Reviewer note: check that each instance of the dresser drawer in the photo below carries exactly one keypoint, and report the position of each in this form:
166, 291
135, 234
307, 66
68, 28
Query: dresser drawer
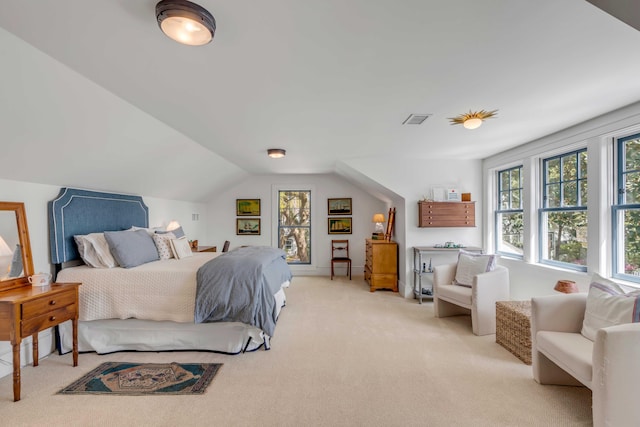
38, 323
48, 303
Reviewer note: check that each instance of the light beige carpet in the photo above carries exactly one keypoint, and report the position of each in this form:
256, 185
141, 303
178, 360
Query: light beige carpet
341, 356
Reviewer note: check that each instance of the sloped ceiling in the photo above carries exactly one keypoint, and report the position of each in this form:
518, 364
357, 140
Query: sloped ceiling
95, 88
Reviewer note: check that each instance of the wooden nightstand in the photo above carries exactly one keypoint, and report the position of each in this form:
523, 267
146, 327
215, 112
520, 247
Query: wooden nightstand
205, 249
27, 310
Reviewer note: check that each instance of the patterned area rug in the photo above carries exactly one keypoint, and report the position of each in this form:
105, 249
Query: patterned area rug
145, 378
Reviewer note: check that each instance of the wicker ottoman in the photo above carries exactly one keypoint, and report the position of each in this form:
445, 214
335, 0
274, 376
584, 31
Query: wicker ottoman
513, 328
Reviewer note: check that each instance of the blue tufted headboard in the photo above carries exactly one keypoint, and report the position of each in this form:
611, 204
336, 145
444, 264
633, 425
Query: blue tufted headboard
77, 211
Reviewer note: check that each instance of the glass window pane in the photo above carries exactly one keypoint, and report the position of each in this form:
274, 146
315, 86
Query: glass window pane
504, 180
583, 164
553, 171
631, 237
583, 193
553, 196
510, 233
295, 241
504, 200
566, 237
569, 167
632, 187
632, 154
570, 193
516, 200
515, 178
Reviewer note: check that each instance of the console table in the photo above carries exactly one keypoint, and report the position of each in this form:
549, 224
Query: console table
423, 267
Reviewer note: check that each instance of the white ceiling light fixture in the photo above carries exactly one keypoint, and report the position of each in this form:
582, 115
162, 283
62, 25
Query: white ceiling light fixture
472, 119
185, 22
276, 153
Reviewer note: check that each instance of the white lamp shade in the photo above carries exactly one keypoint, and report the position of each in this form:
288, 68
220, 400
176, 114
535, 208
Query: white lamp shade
378, 218
173, 225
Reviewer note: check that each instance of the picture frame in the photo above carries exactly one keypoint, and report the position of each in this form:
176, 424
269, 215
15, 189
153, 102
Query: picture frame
453, 195
248, 226
339, 206
247, 207
340, 225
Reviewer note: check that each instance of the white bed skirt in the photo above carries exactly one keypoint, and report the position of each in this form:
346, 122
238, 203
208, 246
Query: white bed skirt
111, 335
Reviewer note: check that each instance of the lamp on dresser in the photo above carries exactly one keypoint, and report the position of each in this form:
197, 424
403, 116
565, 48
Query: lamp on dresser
378, 233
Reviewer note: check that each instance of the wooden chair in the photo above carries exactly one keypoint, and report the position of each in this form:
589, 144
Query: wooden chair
340, 254
225, 247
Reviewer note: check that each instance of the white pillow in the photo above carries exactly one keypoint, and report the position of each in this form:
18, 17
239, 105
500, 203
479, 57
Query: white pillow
94, 250
181, 248
609, 304
163, 244
471, 264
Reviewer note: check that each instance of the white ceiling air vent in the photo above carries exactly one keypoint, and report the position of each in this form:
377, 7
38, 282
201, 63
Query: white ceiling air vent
416, 119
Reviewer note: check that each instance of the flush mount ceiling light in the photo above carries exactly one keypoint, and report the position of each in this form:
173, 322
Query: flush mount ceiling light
276, 153
185, 22
472, 119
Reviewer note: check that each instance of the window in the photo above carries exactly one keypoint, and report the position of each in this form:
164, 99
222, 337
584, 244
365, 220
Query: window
563, 217
509, 221
626, 213
294, 225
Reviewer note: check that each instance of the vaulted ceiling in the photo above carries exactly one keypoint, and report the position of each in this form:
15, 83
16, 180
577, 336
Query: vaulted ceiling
326, 80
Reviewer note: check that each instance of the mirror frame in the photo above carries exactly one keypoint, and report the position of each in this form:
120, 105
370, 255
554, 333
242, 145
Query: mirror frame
25, 245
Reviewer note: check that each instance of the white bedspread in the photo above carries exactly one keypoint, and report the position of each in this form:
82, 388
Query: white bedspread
159, 290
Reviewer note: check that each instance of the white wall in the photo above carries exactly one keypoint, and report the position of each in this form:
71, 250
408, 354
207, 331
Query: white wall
222, 217
35, 198
412, 179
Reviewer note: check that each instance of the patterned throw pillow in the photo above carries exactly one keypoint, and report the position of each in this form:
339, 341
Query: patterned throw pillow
163, 243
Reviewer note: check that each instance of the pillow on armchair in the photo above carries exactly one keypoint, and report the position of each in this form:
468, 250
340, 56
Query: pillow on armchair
471, 264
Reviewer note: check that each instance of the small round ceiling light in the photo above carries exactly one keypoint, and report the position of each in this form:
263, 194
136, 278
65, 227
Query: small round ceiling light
276, 153
185, 22
472, 119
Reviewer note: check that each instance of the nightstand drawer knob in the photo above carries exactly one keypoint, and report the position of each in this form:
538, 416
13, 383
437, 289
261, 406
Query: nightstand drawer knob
52, 318
52, 302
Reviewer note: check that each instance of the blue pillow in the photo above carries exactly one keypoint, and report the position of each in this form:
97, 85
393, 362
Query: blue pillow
131, 248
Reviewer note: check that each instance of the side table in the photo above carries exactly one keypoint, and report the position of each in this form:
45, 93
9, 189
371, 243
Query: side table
513, 328
27, 310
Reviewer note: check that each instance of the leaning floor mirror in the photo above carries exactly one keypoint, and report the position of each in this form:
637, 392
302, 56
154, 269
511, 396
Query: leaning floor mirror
16, 263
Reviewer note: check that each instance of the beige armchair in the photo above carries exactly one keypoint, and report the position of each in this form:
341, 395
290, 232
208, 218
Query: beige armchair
479, 300
609, 366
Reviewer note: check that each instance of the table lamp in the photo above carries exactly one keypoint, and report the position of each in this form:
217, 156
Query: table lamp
566, 287
378, 234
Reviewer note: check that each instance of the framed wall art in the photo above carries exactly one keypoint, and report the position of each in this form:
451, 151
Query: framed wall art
339, 225
248, 226
248, 207
339, 206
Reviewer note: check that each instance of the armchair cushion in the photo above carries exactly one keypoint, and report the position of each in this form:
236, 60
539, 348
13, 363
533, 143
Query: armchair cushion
470, 264
609, 304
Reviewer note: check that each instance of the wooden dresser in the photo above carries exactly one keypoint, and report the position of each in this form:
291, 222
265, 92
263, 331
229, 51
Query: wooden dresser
27, 310
381, 265
446, 214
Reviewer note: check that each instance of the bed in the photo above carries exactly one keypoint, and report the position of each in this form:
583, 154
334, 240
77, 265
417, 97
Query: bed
222, 302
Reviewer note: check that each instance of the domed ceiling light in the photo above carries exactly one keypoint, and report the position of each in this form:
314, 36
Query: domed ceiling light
185, 22
472, 119
276, 153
